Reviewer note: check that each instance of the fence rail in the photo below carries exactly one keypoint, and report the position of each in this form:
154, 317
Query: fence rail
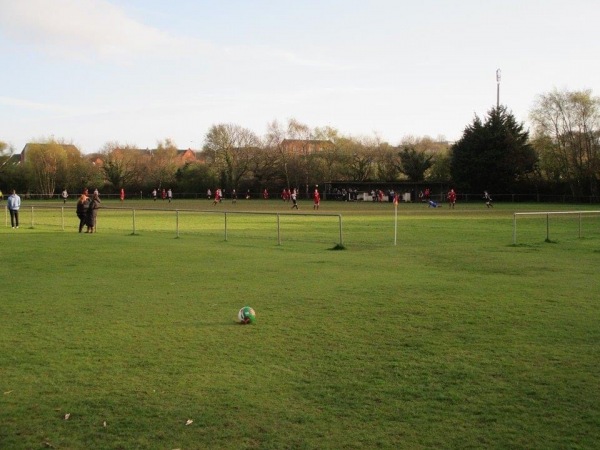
134, 212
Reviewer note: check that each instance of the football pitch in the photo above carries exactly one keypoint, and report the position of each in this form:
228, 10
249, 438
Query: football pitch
429, 329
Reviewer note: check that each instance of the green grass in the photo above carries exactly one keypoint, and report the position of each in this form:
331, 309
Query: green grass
454, 338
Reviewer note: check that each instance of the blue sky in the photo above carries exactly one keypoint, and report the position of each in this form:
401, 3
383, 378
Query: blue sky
139, 71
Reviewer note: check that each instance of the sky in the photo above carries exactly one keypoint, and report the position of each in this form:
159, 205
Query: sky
136, 72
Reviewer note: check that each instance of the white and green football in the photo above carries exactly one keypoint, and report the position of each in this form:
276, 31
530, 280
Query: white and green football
246, 315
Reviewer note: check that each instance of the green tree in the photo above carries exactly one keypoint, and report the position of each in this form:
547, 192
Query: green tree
121, 166
229, 150
46, 163
414, 163
360, 158
387, 163
492, 155
196, 177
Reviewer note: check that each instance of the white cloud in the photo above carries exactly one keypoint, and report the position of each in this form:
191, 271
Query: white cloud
91, 29
84, 29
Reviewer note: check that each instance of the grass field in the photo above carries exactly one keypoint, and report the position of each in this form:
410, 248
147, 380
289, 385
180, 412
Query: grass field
453, 338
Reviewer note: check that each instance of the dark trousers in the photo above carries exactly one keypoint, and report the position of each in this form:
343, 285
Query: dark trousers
82, 220
14, 217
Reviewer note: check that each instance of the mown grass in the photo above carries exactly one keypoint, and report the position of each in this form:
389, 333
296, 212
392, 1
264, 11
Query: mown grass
454, 338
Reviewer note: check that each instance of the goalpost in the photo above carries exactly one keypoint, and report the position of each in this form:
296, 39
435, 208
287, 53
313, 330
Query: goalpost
548, 214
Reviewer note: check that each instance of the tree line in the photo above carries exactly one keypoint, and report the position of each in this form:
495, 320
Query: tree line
495, 153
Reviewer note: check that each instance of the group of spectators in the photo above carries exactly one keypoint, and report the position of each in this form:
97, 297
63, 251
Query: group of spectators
87, 210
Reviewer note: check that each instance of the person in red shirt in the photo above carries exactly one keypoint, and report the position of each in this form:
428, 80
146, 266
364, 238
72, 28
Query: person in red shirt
217, 196
316, 198
122, 196
451, 198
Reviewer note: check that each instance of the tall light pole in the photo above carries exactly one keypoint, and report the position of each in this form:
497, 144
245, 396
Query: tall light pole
498, 88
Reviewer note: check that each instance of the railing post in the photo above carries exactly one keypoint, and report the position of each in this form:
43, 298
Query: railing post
32, 217
515, 229
278, 231
547, 227
133, 219
177, 221
225, 214
341, 238
62, 216
579, 225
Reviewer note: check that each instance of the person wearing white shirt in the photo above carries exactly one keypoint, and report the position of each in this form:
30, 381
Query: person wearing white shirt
14, 204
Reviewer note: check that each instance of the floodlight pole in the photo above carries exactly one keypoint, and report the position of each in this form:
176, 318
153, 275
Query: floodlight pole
498, 76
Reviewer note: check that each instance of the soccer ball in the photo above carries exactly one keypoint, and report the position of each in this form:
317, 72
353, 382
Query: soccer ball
246, 315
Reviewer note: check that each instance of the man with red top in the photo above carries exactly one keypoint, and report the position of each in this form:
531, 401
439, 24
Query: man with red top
451, 198
316, 198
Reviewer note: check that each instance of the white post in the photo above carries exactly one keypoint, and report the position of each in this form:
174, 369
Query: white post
225, 226
177, 221
133, 219
62, 216
395, 223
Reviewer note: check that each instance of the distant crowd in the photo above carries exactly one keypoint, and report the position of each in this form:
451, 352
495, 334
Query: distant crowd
88, 206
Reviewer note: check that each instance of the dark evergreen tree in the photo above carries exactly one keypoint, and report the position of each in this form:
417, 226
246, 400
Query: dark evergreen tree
493, 155
415, 163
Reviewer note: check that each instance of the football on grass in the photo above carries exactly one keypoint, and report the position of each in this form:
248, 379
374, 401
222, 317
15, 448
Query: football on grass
246, 315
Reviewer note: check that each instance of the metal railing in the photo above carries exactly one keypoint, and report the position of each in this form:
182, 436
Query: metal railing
226, 214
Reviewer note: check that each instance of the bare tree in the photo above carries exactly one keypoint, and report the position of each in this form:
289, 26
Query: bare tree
274, 143
121, 165
570, 122
163, 163
5, 153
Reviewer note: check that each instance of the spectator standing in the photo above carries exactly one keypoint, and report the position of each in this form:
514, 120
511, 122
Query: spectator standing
92, 213
154, 194
294, 196
122, 195
13, 203
82, 207
170, 195
64, 196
